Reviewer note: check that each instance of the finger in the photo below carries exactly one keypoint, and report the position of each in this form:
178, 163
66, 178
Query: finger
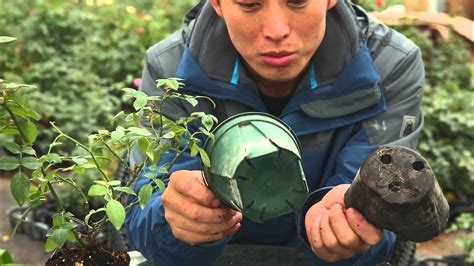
343, 231
196, 238
330, 240
191, 210
335, 195
203, 228
366, 231
313, 233
316, 242
191, 184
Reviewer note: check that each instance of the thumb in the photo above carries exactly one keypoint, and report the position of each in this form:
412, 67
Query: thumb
191, 185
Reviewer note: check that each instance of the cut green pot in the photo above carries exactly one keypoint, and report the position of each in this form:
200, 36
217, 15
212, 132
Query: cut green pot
256, 166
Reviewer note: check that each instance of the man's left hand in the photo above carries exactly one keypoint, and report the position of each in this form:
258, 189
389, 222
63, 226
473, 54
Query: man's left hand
336, 233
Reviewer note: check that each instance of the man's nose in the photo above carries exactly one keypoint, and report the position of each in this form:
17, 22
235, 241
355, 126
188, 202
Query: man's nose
276, 24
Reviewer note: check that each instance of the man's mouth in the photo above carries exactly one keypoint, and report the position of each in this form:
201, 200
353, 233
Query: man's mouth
281, 58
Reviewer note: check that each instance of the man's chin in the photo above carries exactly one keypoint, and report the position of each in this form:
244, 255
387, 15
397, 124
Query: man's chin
280, 78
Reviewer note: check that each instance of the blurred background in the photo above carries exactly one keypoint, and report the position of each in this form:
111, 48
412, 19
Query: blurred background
81, 53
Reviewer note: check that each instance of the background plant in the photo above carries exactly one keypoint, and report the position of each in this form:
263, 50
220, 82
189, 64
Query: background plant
377, 5
79, 54
465, 222
36, 177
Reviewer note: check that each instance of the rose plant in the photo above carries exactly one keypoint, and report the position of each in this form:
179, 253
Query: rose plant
36, 178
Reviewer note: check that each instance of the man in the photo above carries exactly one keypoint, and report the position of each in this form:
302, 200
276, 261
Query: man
343, 82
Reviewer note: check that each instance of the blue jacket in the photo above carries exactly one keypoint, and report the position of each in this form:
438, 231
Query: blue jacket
362, 88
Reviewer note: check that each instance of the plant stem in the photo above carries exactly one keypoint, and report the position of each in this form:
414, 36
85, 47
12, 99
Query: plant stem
54, 141
116, 155
85, 148
61, 208
78, 189
22, 219
161, 115
131, 204
53, 192
15, 121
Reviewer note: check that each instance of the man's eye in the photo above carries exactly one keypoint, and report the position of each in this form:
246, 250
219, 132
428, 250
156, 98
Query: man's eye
248, 6
298, 3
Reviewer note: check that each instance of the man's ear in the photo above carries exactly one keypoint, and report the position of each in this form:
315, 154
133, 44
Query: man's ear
217, 7
331, 3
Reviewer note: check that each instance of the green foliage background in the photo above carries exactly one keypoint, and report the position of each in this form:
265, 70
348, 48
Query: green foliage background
79, 55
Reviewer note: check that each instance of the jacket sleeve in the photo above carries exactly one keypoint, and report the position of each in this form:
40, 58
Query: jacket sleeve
402, 87
148, 230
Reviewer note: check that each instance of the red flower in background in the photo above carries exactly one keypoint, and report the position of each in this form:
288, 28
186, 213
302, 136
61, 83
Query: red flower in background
379, 3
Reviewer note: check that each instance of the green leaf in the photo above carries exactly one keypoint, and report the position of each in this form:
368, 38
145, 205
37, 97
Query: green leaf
169, 135
58, 219
156, 154
114, 183
5, 257
171, 83
133, 93
29, 130
150, 175
30, 163
9, 130
97, 190
101, 182
140, 102
50, 245
5, 39
207, 122
126, 190
160, 184
194, 149
144, 195
129, 118
143, 144
28, 150
59, 236
119, 115
163, 169
139, 131
79, 160
116, 213
9, 163
191, 100
20, 186
52, 158
69, 226
117, 134
71, 237
20, 110
204, 157
12, 147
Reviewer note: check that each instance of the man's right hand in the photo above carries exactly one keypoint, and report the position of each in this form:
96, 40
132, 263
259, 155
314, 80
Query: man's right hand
193, 211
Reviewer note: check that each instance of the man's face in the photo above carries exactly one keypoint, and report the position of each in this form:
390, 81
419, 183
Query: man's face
276, 38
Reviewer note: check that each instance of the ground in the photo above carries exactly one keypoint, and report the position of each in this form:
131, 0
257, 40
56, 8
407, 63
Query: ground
24, 250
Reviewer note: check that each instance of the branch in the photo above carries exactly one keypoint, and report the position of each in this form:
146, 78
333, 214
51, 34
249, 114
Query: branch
86, 149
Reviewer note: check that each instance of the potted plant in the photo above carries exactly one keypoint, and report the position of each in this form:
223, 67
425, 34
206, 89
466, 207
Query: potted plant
37, 178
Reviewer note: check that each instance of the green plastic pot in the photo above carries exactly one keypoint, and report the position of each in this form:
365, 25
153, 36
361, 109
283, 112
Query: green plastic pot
256, 166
